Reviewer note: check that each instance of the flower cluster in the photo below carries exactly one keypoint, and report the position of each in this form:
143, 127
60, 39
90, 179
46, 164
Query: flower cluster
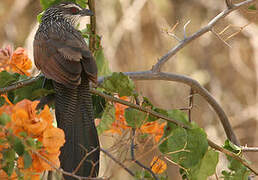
152, 128
17, 61
37, 125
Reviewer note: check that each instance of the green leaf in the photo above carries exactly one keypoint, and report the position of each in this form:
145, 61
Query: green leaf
19, 174
39, 16
47, 3
32, 92
2, 101
27, 160
7, 78
147, 104
39, 144
232, 147
237, 170
23, 134
99, 104
241, 174
206, 167
82, 3
134, 117
4, 119
177, 139
107, 119
37, 93
18, 146
119, 83
8, 168
179, 115
102, 63
3, 141
185, 147
252, 7
31, 142
9, 155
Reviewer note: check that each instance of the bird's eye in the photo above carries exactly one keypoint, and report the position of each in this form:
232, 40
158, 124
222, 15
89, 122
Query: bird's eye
74, 10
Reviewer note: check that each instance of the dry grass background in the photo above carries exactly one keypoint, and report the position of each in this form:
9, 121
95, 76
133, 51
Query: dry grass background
133, 40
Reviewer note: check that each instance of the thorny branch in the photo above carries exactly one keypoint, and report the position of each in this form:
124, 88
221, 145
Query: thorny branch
207, 28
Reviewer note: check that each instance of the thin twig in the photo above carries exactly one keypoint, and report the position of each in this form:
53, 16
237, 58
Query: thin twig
64, 172
249, 149
138, 162
186, 24
20, 84
135, 106
231, 154
116, 161
84, 158
191, 99
207, 28
220, 38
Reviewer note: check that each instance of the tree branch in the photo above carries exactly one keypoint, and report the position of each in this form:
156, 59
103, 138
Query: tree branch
20, 84
207, 28
211, 144
231, 154
135, 106
149, 75
93, 25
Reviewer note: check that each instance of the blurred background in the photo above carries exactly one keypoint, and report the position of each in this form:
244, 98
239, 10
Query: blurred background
133, 39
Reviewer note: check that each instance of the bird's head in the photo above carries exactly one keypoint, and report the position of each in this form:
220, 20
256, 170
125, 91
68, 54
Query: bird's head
67, 10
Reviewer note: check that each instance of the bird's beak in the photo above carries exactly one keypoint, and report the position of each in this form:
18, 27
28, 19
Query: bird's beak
86, 12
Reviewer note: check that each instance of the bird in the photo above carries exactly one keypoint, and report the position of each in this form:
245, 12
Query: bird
62, 55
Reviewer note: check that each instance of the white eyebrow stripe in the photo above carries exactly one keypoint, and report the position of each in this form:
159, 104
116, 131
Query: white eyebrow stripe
72, 5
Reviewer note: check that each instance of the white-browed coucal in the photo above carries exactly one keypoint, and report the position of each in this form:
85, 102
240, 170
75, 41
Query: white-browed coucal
62, 55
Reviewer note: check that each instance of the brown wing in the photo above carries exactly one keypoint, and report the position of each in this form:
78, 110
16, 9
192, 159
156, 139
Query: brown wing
62, 56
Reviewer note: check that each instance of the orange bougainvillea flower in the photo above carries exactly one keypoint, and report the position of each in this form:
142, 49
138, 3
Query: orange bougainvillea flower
51, 157
158, 166
53, 139
29, 173
17, 61
26, 117
153, 128
20, 62
6, 99
4, 176
119, 124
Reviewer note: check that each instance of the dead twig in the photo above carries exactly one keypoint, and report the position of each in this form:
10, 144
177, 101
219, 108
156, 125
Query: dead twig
207, 28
